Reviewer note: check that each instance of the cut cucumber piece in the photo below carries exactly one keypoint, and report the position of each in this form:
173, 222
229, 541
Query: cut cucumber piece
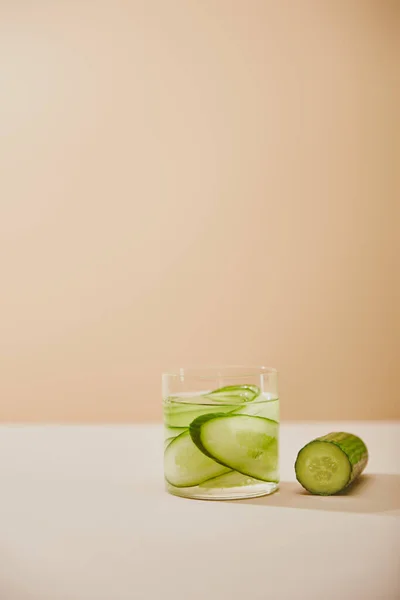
269, 409
235, 393
330, 463
229, 480
186, 466
244, 443
181, 415
171, 432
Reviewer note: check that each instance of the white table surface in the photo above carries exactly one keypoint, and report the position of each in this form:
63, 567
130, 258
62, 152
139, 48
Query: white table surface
84, 516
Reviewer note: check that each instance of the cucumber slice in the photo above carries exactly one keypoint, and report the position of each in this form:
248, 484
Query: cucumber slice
229, 480
235, 393
181, 415
186, 466
171, 432
269, 409
244, 443
330, 463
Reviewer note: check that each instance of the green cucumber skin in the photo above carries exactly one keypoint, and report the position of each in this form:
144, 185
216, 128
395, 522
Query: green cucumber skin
352, 446
194, 430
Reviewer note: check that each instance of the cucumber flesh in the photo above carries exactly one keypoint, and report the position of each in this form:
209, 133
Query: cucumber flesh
229, 480
181, 411
235, 393
171, 432
185, 465
330, 463
269, 409
181, 415
244, 443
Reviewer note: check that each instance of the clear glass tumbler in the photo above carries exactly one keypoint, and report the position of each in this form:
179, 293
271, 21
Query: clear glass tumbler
221, 432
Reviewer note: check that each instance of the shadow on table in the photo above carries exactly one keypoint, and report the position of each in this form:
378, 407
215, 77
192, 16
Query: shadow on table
379, 494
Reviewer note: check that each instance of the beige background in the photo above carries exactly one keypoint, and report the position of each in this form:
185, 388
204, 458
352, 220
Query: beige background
197, 182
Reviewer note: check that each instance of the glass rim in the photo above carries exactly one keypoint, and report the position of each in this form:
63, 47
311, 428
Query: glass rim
224, 371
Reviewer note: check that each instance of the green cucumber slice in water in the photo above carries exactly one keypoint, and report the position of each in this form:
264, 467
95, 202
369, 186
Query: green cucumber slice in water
235, 393
171, 432
229, 480
328, 464
185, 465
181, 415
245, 443
269, 409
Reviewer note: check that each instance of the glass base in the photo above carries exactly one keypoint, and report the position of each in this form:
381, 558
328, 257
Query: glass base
231, 493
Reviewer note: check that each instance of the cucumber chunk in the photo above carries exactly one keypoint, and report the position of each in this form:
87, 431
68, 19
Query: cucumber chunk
328, 464
185, 465
244, 443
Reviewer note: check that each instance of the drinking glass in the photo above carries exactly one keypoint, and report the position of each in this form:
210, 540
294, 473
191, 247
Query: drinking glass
221, 429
